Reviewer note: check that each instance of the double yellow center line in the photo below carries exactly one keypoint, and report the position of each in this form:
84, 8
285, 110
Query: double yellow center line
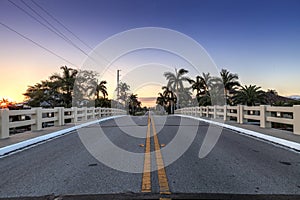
146, 182
162, 177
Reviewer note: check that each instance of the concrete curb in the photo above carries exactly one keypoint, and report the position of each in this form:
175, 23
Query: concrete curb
275, 140
30, 142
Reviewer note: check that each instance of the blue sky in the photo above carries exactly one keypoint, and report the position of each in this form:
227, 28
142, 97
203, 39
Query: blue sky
259, 40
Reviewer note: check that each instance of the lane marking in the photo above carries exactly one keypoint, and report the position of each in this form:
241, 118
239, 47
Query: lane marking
146, 181
162, 177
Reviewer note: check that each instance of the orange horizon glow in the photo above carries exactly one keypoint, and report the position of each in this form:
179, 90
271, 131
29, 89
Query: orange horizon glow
6, 101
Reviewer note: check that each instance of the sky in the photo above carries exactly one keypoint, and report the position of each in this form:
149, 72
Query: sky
257, 39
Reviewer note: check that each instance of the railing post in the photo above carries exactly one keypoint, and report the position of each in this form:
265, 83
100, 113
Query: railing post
215, 111
59, 114
99, 112
207, 111
62, 116
93, 113
4, 123
263, 117
225, 113
240, 111
38, 120
85, 112
296, 116
74, 110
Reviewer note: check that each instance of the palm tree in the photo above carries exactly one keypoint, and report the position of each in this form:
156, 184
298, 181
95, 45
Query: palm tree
101, 88
134, 104
204, 100
161, 100
45, 92
66, 83
196, 85
202, 84
207, 82
95, 91
123, 89
186, 97
230, 82
175, 81
171, 99
249, 95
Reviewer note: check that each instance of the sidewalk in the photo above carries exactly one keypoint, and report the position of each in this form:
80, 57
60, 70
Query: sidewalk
20, 137
286, 135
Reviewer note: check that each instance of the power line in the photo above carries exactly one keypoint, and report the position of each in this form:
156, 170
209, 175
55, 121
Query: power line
43, 24
36, 43
65, 27
55, 31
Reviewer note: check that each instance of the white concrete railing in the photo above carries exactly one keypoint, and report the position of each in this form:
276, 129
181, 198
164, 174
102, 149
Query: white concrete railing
264, 114
37, 117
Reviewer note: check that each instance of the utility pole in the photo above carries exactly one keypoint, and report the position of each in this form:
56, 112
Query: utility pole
118, 84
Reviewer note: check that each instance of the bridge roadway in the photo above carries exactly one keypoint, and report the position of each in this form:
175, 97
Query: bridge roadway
236, 165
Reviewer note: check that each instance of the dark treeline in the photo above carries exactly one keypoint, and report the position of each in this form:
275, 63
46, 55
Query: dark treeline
80, 88
210, 90
60, 90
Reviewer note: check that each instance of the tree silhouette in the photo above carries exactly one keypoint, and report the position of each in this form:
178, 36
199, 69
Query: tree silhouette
134, 104
124, 88
175, 82
170, 98
101, 88
65, 83
44, 93
249, 95
230, 82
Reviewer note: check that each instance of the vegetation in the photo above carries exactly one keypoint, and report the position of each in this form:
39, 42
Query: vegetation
249, 95
203, 84
208, 90
123, 88
175, 84
64, 84
44, 94
134, 104
80, 88
230, 84
167, 99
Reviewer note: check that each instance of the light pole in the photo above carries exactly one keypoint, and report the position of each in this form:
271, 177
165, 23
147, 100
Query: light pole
118, 86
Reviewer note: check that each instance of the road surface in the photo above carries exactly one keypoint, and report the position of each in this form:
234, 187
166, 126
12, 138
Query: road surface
236, 165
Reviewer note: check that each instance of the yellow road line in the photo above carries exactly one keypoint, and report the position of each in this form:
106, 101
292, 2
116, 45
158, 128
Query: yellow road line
162, 177
146, 181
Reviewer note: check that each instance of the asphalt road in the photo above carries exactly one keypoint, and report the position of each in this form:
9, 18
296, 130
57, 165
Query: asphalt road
236, 165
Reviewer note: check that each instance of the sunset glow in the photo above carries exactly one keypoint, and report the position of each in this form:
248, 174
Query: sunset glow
6, 101
260, 45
